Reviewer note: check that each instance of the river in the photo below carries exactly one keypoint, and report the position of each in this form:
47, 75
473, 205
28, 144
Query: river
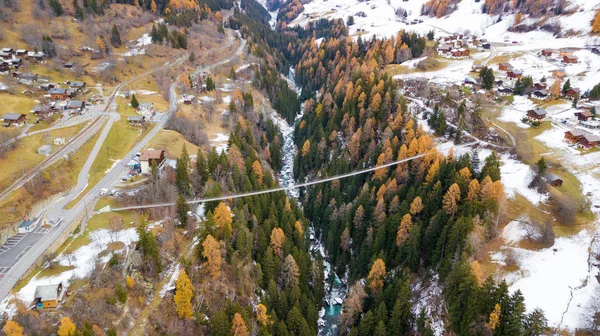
335, 290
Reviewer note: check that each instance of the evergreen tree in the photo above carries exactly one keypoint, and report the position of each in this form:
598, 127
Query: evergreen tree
232, 74
48, 47
210, 85
220, 324
486, 78
78, 10
491, 167
115, 37
182, 180
202, 167
182, 210
536, 323
134, 102
401, 316
57, 7
567, 85
149, 246
350, 21
192, 56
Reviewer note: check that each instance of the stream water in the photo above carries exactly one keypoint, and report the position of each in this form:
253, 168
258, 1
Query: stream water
335, 289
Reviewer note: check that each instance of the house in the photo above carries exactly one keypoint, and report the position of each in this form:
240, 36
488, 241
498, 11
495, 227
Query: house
25, 226
136, 120
14, 119
514, 74
28, 78
553, 180
504, 66
547, 52
71, 92
588, 141
476, 68
188, 99
145, 108
69, 65
15, 62
537, 114
583, 115
48, 296
38, 56
567, 52
540, 94
79, 85
505, 91
572, 93
58, 93
45, 150
469, 81
462, 52
148, 157
76, 105
8, 50
540, 86
47, 86
558, 73
59, 141
570, 59
444, 49
21, 52
574, 136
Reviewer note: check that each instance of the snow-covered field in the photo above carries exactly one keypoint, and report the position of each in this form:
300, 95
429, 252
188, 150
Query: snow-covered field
220, 142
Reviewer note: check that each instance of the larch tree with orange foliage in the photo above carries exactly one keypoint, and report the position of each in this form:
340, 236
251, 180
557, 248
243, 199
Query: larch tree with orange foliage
257, 171
416, 206
238, 326
451, 198
404, 229
12, 328
211, 250
375, 277
223, 219
277, 240
596, 22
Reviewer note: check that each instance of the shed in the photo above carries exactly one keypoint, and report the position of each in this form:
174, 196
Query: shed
554, 180
48, 296
25, 226
136, 120
45, 150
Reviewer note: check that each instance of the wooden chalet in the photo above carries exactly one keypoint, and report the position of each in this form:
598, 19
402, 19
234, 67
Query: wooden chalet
572, 93
136, 120
588, 141
514, 74
504, 66
148, 157
58, 93
574, 136
570, 59
547, 52
462, 52
553, 180
16, 119
540, 86
540, 94
583, 115
476, 68
567, 52
537, 114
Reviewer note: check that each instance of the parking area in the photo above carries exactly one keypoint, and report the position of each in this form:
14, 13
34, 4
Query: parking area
18, 245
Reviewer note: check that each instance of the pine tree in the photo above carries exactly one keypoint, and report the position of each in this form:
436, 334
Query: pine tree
192, 57
57, 7
290, 272
210, 84
182, 179
536, 323
115, 37
149, 246
220, 325
201, 167
134, 102
66, 328
567, 85
182, 210
232, 73
184, 292
78, 10
400, 319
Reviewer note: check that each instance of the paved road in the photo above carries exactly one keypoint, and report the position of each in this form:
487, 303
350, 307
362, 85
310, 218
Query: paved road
290, 187
64, 218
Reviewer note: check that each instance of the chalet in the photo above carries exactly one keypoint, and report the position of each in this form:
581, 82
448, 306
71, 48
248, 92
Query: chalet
574, 136
4, 67
553, 180
28, 78
14, 119
570, 59
469, 81
69, 65
514, 74
540, 94
505, 66
588, 106
48, 296
76, 105
47, 86
462, 52
136, 120
540, 86
476, 68
567, 52
38, 56
188, 99
588, 141
5, 56
145, 108
537, 114
583, 115
58, 93
79, 85
572, 93
15, 62
444, 49
37, 110
148, 157
71, 92
558, 73
503, 91
8, 50
21, 52
547, 52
